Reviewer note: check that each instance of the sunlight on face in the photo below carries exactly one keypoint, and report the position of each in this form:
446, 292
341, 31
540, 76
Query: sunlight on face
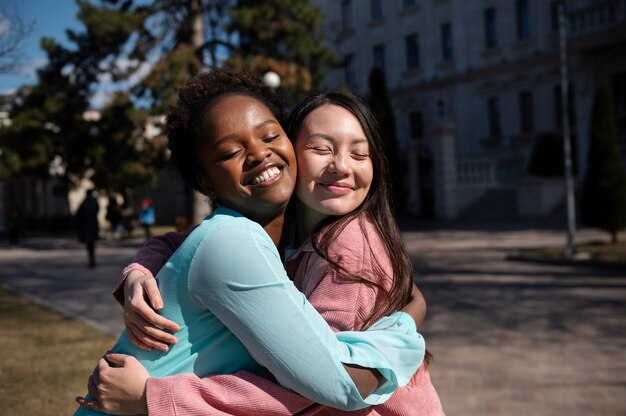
334, 166
248, 161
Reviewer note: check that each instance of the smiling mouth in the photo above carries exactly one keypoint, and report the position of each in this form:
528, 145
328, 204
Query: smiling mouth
336, 188
265, 176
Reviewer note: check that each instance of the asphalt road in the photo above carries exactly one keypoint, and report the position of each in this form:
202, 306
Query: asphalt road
509, 338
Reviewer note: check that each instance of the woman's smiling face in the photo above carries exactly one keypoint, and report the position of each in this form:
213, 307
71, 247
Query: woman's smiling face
334, 167
247, 160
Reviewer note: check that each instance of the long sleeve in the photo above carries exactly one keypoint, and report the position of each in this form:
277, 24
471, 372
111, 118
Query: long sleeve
340, 301
150, 258
254, 298
239, 394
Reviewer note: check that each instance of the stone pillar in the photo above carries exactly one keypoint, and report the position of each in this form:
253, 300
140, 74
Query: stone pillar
444, 159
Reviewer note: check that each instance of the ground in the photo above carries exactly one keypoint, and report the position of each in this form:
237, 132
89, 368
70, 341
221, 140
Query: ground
508, 337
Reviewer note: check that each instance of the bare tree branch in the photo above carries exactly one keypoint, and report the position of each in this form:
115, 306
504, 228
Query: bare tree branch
13, 33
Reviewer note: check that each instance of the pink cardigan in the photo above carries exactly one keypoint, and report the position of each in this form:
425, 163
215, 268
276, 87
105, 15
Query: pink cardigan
343, 304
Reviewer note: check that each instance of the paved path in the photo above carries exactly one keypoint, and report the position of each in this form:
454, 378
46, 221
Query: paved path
513, 338
509, 338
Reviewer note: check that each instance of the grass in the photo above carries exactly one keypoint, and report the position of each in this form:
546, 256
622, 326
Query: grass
45, 358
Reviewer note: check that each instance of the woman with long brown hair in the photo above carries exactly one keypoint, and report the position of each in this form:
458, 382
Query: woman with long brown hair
345, 254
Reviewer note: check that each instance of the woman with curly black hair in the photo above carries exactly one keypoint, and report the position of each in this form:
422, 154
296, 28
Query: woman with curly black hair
225, 286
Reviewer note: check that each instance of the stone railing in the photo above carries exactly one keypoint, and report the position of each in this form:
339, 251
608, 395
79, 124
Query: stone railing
476, 172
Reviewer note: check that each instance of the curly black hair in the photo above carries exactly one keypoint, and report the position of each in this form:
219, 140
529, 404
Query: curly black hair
184, 119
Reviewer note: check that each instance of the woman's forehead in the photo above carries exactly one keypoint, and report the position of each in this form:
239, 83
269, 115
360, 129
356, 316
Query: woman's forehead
234, 112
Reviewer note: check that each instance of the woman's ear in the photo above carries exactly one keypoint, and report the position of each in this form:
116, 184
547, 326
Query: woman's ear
206, 186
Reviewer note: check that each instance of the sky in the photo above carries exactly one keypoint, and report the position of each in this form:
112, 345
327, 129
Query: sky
51, 18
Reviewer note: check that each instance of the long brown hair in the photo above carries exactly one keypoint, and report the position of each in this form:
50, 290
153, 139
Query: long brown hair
376, 207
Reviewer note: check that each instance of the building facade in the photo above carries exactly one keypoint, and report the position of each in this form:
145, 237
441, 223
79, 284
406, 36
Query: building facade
475, 84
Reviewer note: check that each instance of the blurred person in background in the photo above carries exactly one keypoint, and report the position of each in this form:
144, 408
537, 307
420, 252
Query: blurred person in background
146, 216
114, 216
88, 227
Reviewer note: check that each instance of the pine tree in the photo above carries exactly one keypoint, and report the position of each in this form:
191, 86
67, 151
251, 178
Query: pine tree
48, 124
603, 203
380, 105
150, 49
281, 36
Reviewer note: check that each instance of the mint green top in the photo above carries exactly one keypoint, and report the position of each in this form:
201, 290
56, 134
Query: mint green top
228, 290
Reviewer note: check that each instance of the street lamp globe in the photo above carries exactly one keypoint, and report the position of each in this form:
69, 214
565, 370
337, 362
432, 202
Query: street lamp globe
271, 79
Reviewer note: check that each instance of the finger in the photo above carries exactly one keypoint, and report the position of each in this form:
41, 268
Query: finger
154, 318
117, 359
91, 387
155, 332
152, 290
95, 377
136, 341
150, 330
140, 307
89, 404
147, 340
103, 365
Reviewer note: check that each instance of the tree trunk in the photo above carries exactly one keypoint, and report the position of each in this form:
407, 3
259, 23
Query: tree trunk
200, 207
614, 237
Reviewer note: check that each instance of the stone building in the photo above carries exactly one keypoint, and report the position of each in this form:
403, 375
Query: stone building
474, 85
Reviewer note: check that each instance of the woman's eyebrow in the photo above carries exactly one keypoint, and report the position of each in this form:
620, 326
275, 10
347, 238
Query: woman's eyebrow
359, 141
233, 135
331, 139
322, 136
223, 139
266, 122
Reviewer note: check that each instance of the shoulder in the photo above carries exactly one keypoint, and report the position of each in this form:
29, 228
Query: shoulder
229, 224
226, 235
357, 245
229, 245
358, 234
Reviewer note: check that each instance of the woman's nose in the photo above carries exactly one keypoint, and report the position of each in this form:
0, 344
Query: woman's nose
340, 165
257, 153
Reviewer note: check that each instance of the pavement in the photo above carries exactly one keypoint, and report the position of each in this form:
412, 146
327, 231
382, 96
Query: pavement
508, 338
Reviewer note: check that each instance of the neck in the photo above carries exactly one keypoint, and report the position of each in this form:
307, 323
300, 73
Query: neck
273, 225
307, 219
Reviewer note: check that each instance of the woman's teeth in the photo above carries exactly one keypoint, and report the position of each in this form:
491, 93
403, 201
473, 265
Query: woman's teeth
265, 176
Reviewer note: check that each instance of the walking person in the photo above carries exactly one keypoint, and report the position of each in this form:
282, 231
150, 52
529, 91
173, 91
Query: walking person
146, 216
88, 227
114, 217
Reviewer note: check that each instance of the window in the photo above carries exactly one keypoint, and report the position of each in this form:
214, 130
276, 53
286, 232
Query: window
416, 126
409, 3
411, 43
379, 57
521, 19
554, 15
376, 9
491, 39
446, 41
346, 15
618, 87
527, 122
493, 109
349, 72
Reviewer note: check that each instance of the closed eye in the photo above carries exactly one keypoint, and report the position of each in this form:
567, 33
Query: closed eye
271, 138
360, 156
321, 150
229, 155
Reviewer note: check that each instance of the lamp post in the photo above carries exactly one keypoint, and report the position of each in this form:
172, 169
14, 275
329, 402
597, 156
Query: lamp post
271, 79
567, 148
